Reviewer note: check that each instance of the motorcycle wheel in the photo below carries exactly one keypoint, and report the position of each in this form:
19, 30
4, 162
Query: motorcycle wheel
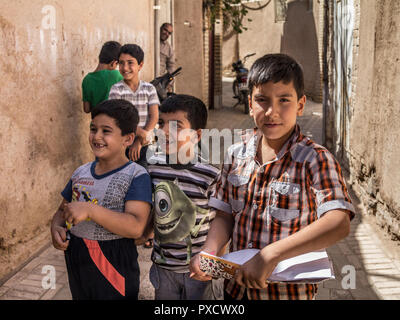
235, 88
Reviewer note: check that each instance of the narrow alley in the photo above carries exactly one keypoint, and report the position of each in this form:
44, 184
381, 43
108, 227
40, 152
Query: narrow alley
376, 265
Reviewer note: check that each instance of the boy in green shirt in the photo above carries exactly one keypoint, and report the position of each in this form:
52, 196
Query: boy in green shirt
96, 85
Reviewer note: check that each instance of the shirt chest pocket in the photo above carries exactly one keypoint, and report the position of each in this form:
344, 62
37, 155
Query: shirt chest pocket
285, 200
239, 183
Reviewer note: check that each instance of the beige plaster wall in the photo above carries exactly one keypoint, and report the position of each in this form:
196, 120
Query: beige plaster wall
188, 44
297, 36
43, 130
262, 36
375, 131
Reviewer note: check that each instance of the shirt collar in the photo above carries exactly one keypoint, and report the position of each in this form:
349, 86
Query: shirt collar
294, 137
128, 87
255, 140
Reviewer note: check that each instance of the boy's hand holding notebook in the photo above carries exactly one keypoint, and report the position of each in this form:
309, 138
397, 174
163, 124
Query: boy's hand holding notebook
312, 267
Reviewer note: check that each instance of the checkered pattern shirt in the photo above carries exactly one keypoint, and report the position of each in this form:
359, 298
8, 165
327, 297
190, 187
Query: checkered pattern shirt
144, 97
272, 201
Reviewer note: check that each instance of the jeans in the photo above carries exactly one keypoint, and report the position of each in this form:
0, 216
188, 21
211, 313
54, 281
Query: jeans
170, 285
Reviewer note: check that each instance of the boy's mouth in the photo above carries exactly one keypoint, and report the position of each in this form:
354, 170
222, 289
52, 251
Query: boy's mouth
272, 125
99, 145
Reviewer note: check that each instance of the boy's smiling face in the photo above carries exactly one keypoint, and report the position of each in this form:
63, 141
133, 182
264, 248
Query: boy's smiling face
129, 67
179, 136
106, 139
274, 108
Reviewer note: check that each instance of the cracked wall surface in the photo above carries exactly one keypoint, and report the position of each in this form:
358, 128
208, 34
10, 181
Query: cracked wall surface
46, 48
374, 153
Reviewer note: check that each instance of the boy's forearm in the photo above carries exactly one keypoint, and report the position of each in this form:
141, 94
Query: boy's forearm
128, 225
219, 233
58, 219
141, 134
326, 231
153, 118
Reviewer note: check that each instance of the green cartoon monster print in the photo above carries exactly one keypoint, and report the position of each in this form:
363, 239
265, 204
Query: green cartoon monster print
175, 216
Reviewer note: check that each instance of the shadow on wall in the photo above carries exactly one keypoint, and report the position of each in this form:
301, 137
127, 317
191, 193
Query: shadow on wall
300, 41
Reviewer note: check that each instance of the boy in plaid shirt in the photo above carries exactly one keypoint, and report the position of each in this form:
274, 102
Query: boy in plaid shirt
278, 190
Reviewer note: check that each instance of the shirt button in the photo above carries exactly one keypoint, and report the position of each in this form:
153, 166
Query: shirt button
250, 245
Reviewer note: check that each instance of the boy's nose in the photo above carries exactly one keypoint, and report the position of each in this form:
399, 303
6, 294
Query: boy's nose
268, 111
97, 135
271, 109
123, 66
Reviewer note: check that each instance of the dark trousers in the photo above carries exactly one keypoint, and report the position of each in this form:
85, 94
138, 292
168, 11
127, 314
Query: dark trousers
102, 270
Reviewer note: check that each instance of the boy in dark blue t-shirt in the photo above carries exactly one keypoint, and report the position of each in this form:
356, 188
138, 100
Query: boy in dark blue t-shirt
107, 202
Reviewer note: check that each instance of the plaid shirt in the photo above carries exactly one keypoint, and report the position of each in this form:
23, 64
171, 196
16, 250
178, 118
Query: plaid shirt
144, 97
270, 202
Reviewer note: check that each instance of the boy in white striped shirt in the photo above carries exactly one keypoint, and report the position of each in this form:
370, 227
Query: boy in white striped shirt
141, 94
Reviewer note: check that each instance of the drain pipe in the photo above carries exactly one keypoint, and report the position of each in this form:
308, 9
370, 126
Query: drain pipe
156, 8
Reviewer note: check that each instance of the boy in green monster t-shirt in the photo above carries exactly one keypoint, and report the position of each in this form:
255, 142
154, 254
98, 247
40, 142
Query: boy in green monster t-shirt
96, 85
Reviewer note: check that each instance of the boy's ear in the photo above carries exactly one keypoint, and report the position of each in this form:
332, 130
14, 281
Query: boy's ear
113, 65
141, 65
250, 105
196, 136
199, 132
300, 105
129, 138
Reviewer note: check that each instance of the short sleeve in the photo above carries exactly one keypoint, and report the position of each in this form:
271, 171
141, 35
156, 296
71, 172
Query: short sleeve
219, 198
140, 189
328, 185
67, 192
153, 97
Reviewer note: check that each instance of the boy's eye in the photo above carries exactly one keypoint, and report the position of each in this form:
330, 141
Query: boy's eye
261, 100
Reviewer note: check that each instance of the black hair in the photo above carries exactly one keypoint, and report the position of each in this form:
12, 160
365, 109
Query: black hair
134, 50
195, 109
165, 24
125, 114
109, 52
276, 67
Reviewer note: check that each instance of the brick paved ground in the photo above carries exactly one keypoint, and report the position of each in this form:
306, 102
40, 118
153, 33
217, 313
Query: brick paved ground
376, 260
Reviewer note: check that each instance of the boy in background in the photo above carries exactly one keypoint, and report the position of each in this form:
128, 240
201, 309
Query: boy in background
97, 84
141, 94
278, 191
108, 203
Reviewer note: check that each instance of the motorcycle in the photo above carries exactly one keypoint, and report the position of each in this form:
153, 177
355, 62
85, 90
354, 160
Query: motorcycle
161, 84
239, 86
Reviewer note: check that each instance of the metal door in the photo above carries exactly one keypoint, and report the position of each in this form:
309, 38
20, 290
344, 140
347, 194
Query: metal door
342, 46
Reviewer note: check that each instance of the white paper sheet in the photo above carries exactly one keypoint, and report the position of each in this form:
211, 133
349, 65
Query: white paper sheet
310, 267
